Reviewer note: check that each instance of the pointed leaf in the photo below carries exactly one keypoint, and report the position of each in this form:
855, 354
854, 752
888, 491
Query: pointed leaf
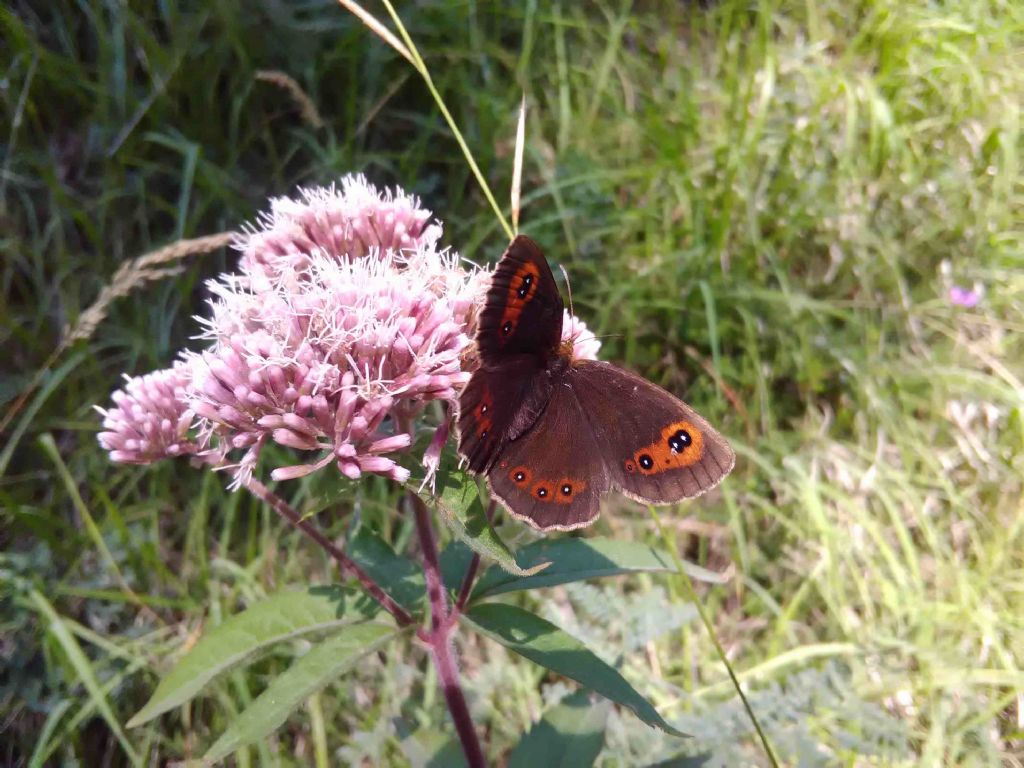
461, 507
399, 576
239, 639
322, 665
575, 559
685, 761
543, 643
570, 735
432, 749
455, 559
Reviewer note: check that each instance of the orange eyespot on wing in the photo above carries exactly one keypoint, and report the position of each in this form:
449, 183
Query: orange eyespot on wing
522, 288
521, 476
483, 412
680, 444
540, 480
563, 491
543, 490
658, 449
567, 489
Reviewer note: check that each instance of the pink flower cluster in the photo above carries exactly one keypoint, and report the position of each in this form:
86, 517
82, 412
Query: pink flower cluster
585, 345
151, 418
344, 320
319, 363
346, 224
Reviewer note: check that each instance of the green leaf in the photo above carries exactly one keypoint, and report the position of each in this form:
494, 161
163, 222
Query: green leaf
542, 642
50, 384
432, 749
461, 507
455, 559
685, 761
323, 664
575, 559
399, 576
239, 639
570, 735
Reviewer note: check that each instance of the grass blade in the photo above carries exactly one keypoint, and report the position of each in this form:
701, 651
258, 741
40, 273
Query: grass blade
82, 666
517, 166
421, 67
692, 596
29, 415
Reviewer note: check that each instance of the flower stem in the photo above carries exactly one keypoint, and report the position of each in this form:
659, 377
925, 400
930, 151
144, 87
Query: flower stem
467, 584
439, 638
346, 565
467, 581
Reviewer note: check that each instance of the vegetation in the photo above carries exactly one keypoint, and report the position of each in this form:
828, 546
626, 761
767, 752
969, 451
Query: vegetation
803, 217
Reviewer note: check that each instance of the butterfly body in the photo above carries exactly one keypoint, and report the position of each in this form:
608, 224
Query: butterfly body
554, 433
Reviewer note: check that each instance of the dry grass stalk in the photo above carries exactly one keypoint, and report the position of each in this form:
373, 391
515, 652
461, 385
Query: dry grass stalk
377, 28
147, 268
307, 109
517, 166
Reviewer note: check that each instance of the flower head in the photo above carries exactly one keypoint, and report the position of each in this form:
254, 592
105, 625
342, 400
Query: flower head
347, 224
150, 419
964, 297
318, 364
585, 344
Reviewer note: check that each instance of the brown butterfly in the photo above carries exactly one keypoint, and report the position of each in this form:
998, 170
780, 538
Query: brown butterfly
554, 434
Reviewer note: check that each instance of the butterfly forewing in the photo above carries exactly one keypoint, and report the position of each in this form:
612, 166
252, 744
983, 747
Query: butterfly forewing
523, 311
518, 333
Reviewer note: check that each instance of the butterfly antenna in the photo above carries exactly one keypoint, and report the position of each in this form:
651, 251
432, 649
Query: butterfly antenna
568, 288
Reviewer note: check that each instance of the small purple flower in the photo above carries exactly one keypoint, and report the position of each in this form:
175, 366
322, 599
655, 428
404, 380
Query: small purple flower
964, 297
432, 457
150, 419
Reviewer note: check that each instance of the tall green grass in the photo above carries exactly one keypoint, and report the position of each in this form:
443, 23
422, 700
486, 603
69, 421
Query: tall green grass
763, 206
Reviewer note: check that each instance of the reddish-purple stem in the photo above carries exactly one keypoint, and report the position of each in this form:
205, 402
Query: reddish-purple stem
439, 639
467, 581
467, 585
346, 565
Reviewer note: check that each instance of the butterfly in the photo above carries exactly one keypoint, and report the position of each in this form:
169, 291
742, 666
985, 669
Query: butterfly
554, 434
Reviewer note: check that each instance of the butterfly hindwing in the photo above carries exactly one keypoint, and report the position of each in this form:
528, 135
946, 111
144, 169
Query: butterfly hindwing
656, 448
490, 407
553, 476
523, 310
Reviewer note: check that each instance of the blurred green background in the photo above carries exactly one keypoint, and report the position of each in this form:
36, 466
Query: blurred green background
764, 205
